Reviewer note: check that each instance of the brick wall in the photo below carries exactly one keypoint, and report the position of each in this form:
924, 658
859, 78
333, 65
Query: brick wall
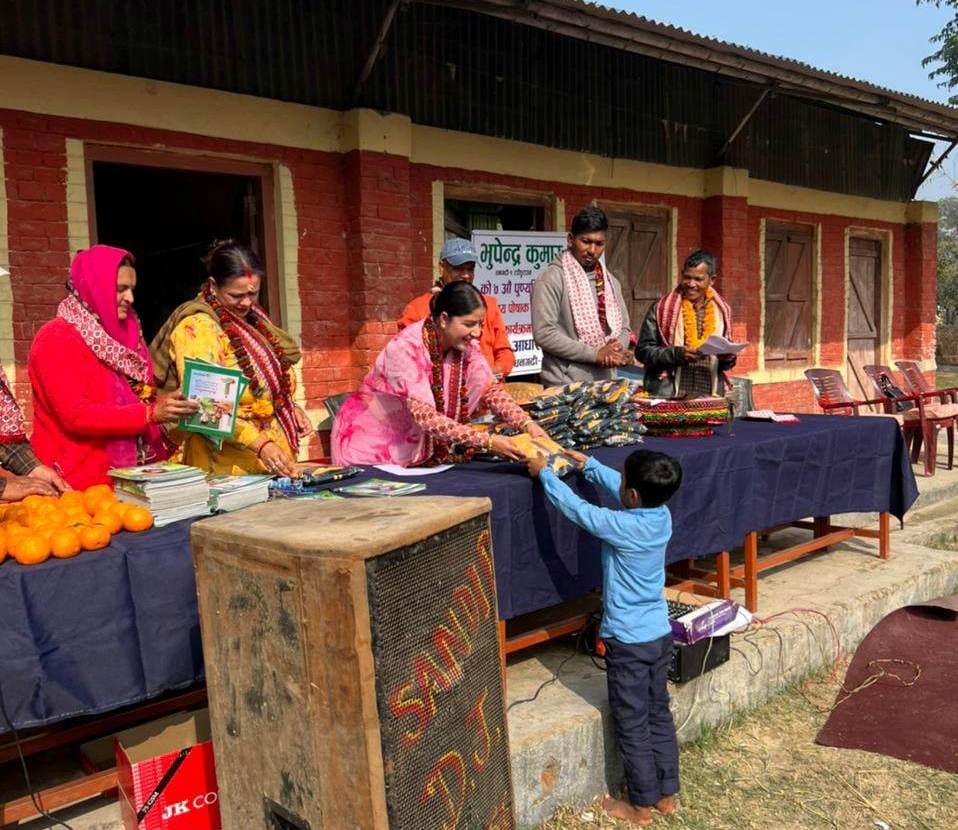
364, 246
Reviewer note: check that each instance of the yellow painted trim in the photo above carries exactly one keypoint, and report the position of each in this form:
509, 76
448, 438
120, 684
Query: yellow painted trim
377, 132
34, 86
790, 375
805, 200
438, 220
467, 151
673, 261
726, 181
560, 225
6, 289
287, 245
78, 221
929, 365
922, 212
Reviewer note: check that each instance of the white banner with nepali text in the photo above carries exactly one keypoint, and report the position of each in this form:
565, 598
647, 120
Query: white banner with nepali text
509, 262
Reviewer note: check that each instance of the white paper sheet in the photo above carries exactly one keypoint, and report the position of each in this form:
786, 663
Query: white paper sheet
716, 344
396, 470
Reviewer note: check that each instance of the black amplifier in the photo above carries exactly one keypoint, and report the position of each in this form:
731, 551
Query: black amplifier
688, 662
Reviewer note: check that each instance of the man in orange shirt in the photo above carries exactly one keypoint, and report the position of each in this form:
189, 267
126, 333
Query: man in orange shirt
457, 261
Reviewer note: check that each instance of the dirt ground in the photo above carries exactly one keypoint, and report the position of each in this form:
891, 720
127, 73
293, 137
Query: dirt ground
762, 771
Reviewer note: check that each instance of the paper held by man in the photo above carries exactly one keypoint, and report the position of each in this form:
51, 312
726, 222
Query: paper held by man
718, 345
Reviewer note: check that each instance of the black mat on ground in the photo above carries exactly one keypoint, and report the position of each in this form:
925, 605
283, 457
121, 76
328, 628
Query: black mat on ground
897, 714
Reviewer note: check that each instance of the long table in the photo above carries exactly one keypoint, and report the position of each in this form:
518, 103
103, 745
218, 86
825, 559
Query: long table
120, 626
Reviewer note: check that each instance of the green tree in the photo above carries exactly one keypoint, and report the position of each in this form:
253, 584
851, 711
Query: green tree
945, 60
948, 278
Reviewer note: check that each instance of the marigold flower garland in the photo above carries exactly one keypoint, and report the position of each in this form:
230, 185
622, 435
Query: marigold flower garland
443, 453
229, 325
690, 324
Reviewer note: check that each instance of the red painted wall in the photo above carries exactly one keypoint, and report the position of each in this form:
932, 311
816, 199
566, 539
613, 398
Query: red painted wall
365, 246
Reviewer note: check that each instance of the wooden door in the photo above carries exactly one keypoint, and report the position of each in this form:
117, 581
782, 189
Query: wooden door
788, 295
637, 255
864, 313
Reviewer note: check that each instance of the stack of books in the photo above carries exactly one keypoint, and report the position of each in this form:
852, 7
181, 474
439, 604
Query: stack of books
171, 492
235, 492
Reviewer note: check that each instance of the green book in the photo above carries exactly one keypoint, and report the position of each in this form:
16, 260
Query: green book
218, 391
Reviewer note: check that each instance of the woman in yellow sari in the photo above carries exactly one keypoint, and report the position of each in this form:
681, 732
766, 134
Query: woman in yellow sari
225, 325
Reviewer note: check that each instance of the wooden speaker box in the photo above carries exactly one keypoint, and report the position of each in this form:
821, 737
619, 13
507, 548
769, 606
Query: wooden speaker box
352, 661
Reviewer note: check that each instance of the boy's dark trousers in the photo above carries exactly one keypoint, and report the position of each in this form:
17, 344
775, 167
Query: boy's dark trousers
639, 698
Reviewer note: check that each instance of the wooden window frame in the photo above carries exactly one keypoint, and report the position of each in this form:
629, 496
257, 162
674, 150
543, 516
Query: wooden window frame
171, 159
503, 195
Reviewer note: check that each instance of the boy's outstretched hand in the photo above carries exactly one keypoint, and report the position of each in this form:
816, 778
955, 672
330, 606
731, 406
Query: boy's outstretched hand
576, 457
536, 464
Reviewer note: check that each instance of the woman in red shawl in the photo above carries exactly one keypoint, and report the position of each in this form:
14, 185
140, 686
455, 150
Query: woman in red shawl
94, 402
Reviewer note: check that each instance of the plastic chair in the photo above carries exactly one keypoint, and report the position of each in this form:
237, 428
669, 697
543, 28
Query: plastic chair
932, 417
835, 399
919, 384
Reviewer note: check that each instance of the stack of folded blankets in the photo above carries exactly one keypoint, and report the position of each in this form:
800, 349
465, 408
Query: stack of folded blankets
680, 418
590, 414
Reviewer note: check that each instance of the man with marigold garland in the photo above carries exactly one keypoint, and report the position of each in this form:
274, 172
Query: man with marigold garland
674, 330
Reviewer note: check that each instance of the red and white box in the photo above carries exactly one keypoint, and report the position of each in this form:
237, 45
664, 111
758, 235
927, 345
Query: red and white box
189, 798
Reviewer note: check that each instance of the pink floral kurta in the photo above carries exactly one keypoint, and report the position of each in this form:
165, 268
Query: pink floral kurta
392, 417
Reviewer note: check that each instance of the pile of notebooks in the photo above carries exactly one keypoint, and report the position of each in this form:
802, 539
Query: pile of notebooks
171, 492
235, 492
583, 415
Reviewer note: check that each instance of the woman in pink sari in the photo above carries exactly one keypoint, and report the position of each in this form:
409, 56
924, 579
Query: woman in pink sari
413, 406
94, 400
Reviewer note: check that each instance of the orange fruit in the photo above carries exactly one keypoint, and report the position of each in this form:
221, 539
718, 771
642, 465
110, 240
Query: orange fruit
32, 502
31, 549
92, 496
137, 519
64, 543
15, 514
35, 518
120, 507
71, 497
94, 537
110, 519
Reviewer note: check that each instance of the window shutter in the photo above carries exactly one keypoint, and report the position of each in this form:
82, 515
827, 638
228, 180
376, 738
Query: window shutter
788, 295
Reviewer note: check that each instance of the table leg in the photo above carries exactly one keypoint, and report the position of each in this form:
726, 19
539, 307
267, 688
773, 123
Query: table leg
822, 525
502, 653
722, 575
751, 571
884, 535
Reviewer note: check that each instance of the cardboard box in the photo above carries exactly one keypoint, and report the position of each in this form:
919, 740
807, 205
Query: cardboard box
145, 754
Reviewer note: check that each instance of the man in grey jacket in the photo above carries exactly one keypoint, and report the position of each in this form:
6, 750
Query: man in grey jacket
579, 317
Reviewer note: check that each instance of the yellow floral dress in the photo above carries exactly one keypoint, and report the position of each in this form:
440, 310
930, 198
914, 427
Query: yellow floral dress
199, 336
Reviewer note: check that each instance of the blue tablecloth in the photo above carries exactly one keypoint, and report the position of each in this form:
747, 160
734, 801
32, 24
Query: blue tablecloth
106, 629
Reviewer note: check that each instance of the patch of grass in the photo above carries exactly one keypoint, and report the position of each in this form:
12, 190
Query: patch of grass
942, 540
763, 771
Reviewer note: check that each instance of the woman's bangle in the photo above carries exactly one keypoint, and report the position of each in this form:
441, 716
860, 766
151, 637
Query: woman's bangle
489, 444
263, 446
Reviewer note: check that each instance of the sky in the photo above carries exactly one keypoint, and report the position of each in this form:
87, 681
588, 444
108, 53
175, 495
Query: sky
879, 41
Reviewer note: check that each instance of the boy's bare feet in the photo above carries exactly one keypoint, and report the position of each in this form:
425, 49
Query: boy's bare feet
666, 805
624, 811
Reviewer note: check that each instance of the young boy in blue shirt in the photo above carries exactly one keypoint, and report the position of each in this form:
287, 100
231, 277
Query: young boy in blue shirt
635, 622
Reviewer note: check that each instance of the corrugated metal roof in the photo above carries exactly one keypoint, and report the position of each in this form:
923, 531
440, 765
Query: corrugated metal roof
625, 30
458, 66
726, 45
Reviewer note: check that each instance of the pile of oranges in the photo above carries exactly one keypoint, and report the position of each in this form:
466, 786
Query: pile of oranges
33, 530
